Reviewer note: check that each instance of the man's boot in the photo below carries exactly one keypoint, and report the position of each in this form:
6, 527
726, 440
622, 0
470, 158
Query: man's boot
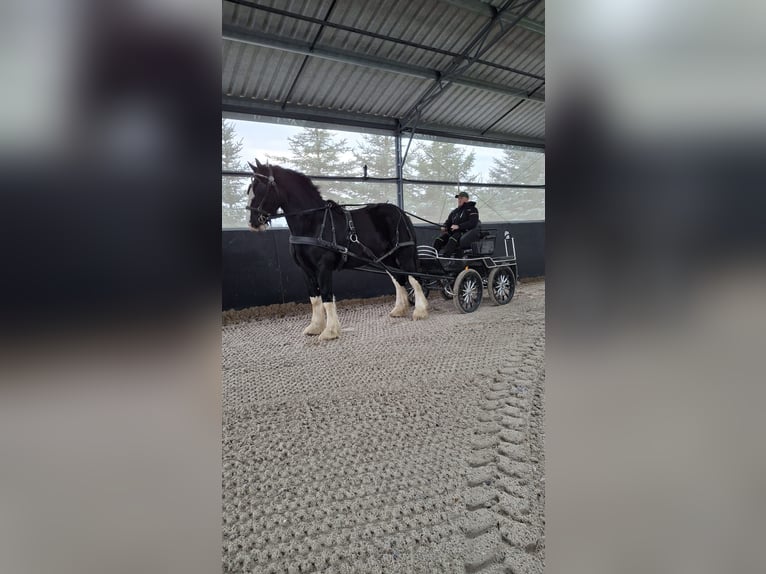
449, 249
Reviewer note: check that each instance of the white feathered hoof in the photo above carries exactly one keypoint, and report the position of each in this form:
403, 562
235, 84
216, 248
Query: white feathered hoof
329, 334
313, 329
332, 330
418, 314
399, 311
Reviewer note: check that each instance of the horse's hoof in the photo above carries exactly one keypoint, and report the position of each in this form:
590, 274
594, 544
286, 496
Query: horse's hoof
402, 312
419, 314
313, 329
328, 335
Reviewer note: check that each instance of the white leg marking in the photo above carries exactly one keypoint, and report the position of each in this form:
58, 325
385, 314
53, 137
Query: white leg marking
332, 330
421, 303
402, 306
317, 324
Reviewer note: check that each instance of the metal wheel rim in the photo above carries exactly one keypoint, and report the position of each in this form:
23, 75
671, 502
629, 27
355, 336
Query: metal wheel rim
502, 286
469, 294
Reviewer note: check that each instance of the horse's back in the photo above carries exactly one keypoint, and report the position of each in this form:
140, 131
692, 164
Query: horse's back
386, 219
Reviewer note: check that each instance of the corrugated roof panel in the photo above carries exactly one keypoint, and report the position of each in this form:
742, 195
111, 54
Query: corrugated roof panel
537, 13
422, 22
261, 73
520, 49
266, 75
419, 22
528, 119
468, 107
251, 18
363, 90
502, 77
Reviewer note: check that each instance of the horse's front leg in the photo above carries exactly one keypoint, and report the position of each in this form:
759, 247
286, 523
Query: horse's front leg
332, 328
317, 324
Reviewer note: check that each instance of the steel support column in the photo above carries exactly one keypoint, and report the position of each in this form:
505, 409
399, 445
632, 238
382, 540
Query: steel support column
399, 170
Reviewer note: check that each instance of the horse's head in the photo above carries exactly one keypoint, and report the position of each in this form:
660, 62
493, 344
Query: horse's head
262, 196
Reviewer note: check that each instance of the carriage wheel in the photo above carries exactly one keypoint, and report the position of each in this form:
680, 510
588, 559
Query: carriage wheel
468, 291
411, 293
501, 285
446, 290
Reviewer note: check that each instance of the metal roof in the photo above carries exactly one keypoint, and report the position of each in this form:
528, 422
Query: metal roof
473, 69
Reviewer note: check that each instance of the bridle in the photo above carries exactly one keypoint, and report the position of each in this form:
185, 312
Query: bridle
264, 217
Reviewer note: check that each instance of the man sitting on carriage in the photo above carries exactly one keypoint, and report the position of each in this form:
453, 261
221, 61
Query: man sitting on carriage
461, 227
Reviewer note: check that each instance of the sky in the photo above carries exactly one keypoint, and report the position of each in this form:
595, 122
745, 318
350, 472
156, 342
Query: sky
262, 139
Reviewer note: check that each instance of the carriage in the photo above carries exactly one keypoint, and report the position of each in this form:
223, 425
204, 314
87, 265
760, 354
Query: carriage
464, 277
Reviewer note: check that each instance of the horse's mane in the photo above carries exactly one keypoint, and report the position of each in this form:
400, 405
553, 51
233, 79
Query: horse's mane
300, 180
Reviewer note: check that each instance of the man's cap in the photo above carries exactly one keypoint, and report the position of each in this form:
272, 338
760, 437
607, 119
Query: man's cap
462, 194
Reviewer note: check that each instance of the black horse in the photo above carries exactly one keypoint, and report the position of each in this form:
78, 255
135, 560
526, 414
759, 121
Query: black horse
325, 237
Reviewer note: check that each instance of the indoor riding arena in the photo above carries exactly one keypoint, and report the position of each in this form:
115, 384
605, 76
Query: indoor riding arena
402, 445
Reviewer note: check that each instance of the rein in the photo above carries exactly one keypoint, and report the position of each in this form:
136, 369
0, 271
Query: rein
264, 217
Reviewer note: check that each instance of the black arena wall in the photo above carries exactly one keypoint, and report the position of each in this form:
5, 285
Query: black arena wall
258, 269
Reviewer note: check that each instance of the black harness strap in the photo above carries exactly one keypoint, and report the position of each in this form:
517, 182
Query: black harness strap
352, 237
318, 242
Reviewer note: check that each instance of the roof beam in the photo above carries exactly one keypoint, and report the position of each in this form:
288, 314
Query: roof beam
480, 44
370, 34
485, 9
246, 108
258, 38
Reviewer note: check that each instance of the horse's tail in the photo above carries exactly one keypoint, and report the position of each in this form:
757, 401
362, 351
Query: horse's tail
412, 237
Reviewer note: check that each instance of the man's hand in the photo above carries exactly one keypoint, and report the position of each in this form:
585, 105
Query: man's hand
443, 228
454, 228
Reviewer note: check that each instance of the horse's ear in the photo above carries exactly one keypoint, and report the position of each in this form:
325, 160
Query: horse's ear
259, 164
252, 166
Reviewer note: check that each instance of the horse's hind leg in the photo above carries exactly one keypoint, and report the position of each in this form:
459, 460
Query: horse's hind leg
402, 305
317, 324
407, 259
421, 303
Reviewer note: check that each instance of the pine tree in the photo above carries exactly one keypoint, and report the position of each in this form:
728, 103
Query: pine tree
378, 153
233, 189
438, 161
517, 166
318, 152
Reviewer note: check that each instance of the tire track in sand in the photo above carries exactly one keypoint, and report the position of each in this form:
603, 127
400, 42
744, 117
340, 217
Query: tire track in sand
504, 521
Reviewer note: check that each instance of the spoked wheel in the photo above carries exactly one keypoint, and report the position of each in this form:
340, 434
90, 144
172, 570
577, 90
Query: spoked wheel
411, 293
501, 285
446, 291
467, 291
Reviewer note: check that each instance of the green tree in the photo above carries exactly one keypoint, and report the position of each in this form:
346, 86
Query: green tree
439, 161
233, 189
517, 166
319, 152
378, 153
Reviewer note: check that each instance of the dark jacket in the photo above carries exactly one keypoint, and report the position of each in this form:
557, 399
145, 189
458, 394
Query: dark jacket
465, 217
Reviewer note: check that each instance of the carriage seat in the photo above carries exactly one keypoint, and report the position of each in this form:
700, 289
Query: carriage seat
483, 245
